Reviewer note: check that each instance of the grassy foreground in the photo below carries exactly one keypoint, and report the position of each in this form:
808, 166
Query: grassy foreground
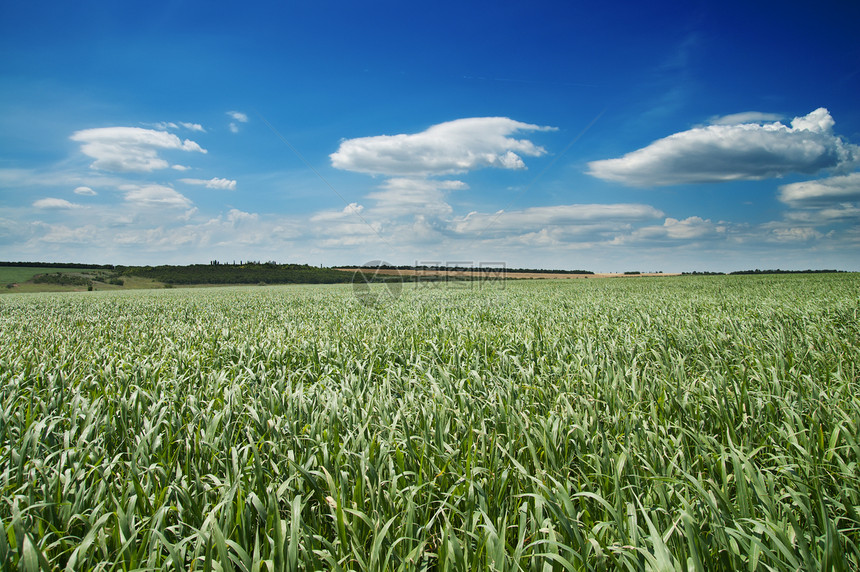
647, 424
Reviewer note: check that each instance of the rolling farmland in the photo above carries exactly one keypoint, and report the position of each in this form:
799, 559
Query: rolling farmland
676, 423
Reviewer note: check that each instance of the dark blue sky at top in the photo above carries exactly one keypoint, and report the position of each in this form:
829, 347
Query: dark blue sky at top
321, 73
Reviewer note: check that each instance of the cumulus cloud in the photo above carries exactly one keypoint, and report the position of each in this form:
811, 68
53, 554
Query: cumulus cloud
52, 203
534, 218
155, 196
85, 191
130, 149
447, 148
822, 192
729, 152
213, 183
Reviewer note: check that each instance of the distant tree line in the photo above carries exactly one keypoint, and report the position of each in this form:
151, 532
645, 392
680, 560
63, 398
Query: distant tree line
246, 273
757, 271
255, 272
60, 265
778, 271
477, 269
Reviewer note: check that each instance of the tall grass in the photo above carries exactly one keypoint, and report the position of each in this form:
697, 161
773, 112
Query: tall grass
641, 424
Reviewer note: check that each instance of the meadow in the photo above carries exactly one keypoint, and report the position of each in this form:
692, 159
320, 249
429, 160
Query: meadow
676, 423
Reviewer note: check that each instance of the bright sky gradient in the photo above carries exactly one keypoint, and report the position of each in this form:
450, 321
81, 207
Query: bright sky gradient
598, 135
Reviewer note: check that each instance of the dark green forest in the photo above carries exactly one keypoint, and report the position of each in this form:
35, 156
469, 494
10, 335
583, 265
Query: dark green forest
247, 273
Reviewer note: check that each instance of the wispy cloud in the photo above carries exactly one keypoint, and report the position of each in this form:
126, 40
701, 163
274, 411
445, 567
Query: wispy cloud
536, 218
335, 215
745, 117
238, 117
85, 191
780, 232
827, 215
54, 203
235, 216
404, 196
130, 149
672, 229
192, 126
748, 151
213, 183
447, 148
167, 125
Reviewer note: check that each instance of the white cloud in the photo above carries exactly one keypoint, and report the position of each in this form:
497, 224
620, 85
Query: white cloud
170, 125
52, 203
85, 191
818, 121
155, 196
447, 148
689, 228
718, 153
823, 191
213, 183
794, 234
130, 149
827, 215
238, 116
193, 126
235, 216
745, 117
403, 196
672, 229
348, 211
535, 218
62, 234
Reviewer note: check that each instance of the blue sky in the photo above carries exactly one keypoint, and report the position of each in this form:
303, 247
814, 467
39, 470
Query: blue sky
597, 135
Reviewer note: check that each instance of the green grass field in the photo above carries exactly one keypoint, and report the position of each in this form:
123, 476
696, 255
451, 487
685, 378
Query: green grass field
649, 424
18, 274
22, 279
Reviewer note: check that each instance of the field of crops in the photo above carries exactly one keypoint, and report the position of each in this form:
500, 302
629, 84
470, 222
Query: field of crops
639, 424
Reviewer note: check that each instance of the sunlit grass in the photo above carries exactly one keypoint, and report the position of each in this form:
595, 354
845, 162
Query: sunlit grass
641, 424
